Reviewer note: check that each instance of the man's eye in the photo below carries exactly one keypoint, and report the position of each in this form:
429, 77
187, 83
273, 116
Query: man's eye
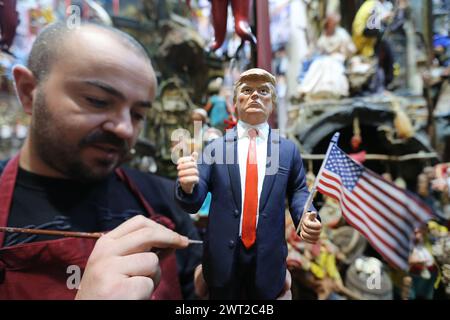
264, 91
98, 103
138, 116
247, 90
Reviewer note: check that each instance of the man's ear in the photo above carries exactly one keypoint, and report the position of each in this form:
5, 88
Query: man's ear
26, 84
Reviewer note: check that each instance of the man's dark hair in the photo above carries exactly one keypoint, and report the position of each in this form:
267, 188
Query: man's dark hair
50, 42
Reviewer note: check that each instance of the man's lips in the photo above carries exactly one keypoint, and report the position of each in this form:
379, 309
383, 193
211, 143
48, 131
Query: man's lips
108, 148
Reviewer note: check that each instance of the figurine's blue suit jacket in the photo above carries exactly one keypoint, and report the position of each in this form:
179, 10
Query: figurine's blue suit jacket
285, 178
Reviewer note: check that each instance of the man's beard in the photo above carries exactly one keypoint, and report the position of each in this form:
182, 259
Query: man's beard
55, 151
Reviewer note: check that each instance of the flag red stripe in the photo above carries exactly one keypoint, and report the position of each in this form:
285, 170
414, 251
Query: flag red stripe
406, 230
401, 231
403, 242
398, 251
385, 214
375, 244
404, 204
398, 210
403, 252
394, 199
428, 212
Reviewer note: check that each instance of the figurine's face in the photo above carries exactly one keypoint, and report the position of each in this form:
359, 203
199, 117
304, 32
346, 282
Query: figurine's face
254, 101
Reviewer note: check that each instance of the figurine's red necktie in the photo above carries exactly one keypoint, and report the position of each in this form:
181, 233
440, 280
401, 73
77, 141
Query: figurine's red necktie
251, 193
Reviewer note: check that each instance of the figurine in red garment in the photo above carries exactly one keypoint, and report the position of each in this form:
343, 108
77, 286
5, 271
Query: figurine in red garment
241, 15
8, 23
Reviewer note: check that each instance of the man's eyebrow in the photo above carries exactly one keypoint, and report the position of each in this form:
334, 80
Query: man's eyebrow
105, 87
144, 104
111, 90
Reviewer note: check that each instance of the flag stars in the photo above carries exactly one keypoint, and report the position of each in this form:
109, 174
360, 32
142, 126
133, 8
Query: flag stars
341, 165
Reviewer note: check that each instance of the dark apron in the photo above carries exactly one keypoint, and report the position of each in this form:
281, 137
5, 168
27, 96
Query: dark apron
38, 270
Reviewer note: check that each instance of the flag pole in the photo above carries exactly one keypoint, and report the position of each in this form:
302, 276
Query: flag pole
313, 191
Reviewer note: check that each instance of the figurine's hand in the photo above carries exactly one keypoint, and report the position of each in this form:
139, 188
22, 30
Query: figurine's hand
188, 173
286, 294
310, 228
121, 265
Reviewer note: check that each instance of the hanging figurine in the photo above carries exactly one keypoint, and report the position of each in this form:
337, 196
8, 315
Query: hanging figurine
356, 141
241, 16
9, 20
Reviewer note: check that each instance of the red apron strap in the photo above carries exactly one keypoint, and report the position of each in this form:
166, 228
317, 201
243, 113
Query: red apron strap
7, 182
125, 178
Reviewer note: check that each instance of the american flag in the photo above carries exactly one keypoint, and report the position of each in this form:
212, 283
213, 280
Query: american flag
385, 214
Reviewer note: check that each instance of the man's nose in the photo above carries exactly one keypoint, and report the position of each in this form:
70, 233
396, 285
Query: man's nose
121, 125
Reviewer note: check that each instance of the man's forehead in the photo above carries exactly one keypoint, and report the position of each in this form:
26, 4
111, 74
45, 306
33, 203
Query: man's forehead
101, 42
107, 66
91, 40
92, 47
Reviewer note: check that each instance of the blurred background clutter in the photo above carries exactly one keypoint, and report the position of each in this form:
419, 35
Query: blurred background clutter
376, 71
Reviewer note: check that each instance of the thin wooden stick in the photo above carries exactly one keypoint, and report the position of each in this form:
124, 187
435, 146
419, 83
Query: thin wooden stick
312, 192
92, 235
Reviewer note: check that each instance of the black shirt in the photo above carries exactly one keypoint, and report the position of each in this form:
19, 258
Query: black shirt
51, 203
